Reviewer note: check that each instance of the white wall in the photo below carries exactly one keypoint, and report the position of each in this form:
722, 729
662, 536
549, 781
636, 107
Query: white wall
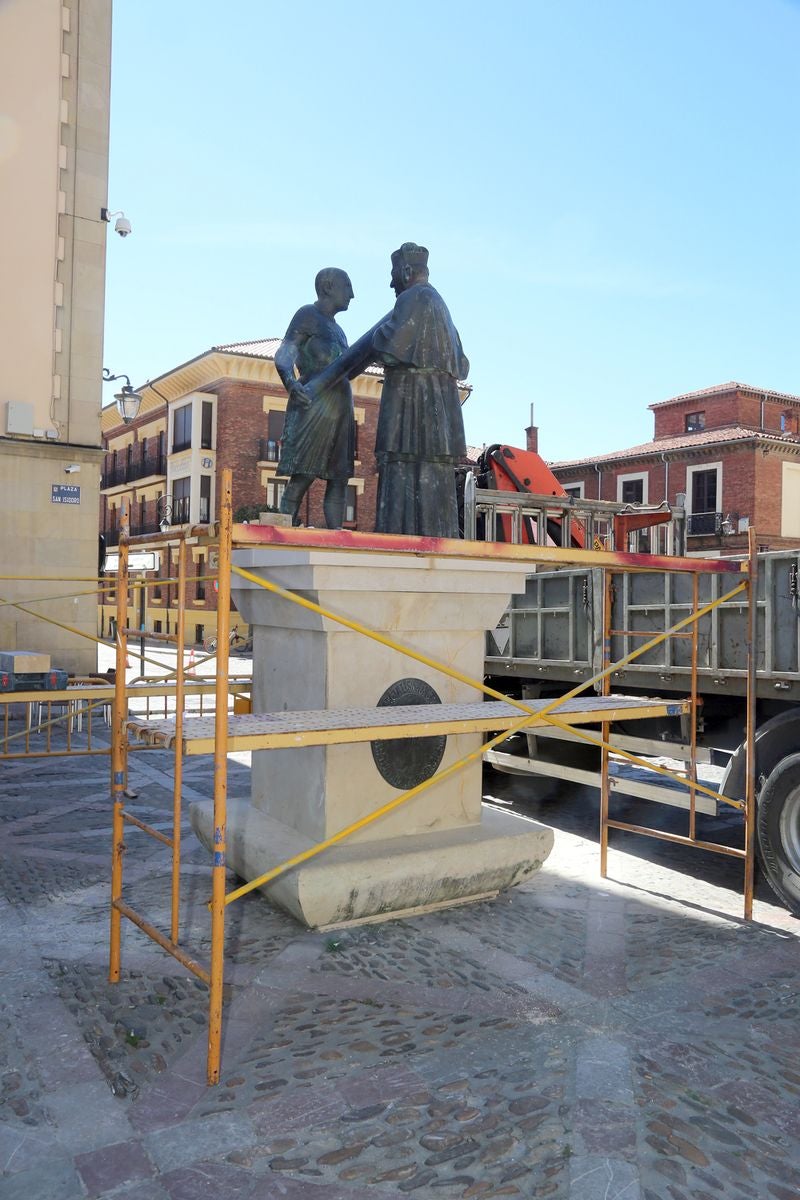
790, 500
30, 118
54, 111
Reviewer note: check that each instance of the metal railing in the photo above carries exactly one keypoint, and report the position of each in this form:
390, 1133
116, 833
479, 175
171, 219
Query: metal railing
520, 517
704, 524
138, 528
71, 721
155, 464
76, 719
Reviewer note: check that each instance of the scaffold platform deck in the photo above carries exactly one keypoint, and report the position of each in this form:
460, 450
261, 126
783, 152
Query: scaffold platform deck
283, 730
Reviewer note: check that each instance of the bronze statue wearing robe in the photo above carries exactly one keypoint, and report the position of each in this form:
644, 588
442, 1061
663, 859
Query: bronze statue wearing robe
420, 436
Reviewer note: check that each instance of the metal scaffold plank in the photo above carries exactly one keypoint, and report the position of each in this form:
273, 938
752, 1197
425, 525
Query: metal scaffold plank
274, 731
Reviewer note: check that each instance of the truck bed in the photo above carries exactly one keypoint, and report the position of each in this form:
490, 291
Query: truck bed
553, 632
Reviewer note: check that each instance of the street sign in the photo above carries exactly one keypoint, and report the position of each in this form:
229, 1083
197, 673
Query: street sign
138, 560
65, 493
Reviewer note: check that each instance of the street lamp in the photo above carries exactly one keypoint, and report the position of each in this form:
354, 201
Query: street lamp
128, 401
164, 513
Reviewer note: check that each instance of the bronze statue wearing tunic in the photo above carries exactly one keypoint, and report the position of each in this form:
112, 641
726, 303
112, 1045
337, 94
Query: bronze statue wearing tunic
319, 433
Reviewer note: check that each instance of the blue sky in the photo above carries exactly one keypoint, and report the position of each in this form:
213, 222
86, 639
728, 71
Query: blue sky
609, 191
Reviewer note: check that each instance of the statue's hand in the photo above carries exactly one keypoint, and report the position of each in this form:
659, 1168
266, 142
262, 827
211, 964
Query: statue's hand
300, 396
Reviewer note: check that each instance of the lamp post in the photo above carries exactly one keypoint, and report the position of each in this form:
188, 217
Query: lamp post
128, 400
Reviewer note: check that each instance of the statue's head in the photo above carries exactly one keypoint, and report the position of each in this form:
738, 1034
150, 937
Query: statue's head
409, 266
334, 289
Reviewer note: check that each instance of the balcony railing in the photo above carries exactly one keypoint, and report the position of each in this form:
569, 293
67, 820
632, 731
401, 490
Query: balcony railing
138, 528
155, 464
269, 450
704, 524
180, 510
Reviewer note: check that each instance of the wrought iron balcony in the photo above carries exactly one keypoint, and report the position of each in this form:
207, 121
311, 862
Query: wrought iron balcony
704, 524
155, 464
180, 510
138, 528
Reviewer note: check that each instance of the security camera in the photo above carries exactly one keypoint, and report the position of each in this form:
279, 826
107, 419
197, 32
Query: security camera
122, 225
72, 469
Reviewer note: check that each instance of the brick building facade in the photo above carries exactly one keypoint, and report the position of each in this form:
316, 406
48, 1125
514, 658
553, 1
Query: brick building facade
225, 408
732, 450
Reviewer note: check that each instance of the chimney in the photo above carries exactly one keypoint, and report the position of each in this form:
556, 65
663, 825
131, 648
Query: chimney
532, 436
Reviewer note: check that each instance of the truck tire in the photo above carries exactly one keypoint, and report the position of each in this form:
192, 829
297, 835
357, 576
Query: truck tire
778, 831
776, 739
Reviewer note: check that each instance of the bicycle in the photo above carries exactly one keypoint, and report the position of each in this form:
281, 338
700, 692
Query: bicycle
234, 637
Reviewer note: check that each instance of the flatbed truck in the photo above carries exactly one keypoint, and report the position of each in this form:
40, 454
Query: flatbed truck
551, 639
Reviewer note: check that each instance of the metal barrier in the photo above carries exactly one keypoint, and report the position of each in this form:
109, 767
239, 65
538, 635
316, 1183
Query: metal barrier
72, 730
86, 698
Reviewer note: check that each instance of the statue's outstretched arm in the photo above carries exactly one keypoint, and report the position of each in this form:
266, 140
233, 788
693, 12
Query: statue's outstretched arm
349, 364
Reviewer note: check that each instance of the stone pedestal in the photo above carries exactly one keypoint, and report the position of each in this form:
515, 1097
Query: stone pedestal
440, 846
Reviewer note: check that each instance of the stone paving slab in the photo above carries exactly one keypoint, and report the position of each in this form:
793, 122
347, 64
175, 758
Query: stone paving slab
577, 1038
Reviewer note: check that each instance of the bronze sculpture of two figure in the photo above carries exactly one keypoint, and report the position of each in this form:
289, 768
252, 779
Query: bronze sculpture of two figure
420, 436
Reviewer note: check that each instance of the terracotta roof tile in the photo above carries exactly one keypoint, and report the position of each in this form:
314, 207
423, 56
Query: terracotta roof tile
721, 388
686, 441
259, 348
266, 348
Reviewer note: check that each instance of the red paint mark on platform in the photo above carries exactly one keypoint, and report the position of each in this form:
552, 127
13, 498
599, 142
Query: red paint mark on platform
396, 543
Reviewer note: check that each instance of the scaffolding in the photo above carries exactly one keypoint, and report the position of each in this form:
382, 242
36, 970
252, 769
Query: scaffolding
73, 710
505, 715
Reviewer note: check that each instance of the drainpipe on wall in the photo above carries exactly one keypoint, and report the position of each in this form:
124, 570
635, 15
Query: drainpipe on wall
665, 461
599, 481
763, 402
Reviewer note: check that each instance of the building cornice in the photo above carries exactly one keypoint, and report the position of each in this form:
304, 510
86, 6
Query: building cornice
209, 369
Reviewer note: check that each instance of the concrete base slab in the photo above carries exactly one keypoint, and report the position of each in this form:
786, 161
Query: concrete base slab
354, 882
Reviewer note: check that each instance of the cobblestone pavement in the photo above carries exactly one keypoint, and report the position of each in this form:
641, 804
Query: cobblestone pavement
576, 1038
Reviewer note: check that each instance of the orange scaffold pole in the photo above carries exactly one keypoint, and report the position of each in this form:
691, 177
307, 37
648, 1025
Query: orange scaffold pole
118, 756
750, 737
220, 783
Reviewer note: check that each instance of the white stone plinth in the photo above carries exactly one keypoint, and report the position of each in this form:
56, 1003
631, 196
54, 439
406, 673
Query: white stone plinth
436, 847
353, 882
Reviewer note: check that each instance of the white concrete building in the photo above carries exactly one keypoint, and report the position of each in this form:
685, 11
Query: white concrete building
55, 61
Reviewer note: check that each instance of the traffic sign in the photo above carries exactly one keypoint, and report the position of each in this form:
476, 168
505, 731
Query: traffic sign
138, 560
